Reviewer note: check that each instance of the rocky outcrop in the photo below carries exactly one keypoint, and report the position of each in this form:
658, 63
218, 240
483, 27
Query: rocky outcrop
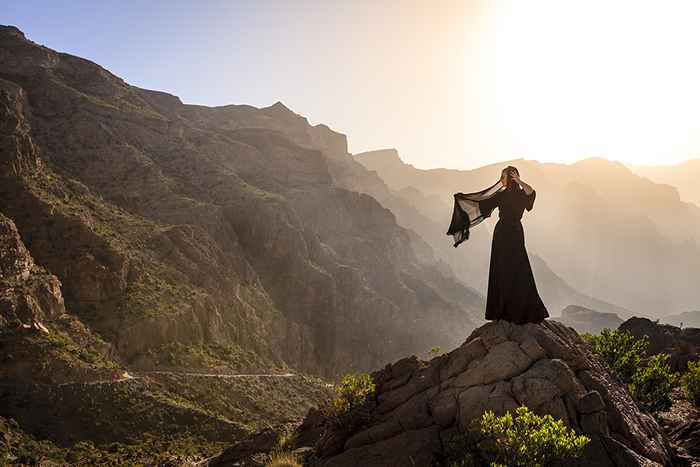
681, 424
421, 406
28, 295
586, 320
682, 345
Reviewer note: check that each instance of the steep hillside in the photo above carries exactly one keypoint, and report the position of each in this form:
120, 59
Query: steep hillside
222, 227
605, 231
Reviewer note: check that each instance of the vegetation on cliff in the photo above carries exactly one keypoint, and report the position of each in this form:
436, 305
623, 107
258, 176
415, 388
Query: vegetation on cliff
650, 383
691, 382
519, 438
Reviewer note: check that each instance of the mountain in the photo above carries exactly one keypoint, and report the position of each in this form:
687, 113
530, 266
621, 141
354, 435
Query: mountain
587, 320
605, 231
179, 251
168, 222
688, 319
422, 410
683, 176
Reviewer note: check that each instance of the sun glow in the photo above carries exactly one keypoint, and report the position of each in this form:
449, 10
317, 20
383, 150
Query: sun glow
567, 80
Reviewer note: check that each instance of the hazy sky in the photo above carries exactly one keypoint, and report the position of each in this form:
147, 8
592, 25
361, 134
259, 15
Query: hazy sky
447, 83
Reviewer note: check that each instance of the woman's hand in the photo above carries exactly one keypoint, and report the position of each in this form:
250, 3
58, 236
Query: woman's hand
527, 188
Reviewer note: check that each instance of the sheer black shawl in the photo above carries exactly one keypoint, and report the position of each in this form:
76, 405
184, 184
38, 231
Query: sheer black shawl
467, 212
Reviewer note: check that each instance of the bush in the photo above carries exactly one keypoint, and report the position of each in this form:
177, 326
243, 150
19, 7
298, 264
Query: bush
652, 385
620, 350
526, 440
353, 391
353, 403
691, 382
283, 459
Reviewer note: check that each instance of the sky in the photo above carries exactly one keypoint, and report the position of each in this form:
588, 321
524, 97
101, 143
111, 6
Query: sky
448, 83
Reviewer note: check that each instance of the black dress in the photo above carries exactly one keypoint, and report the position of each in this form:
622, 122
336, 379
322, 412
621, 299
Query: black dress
512, 293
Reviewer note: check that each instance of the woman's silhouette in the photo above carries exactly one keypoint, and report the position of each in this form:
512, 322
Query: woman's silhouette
512, 293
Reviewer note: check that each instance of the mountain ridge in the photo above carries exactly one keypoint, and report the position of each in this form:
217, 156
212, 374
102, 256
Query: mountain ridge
109, 170
594, 216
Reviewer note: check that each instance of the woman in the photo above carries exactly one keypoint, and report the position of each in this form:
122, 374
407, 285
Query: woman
512, 293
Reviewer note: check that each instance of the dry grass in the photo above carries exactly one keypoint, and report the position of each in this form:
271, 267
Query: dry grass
283, 459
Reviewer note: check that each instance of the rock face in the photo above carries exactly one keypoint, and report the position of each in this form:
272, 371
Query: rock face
420, 406
682, 345
586, 320
179, 225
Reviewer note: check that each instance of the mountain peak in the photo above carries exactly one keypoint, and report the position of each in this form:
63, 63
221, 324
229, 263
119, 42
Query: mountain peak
388, 156
279, 107
11, 31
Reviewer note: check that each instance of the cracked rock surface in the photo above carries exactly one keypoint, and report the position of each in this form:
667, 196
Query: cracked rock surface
420, 406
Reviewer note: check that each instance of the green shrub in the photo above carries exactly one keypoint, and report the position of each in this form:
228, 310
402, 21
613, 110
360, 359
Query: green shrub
353, 391
528, 439
523, 440
652, 385
620, 350
691, 382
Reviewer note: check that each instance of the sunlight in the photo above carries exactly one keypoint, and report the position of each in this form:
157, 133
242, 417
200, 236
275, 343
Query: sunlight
566, 80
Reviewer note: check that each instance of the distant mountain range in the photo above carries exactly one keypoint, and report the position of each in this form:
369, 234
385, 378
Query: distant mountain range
683, 176
688, 319
586, 320
604, 230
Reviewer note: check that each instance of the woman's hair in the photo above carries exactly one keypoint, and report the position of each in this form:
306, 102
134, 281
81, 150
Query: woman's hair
510, 168
507, 171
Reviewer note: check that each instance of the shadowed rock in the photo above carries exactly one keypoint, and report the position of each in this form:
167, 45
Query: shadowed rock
547, 367
682, 345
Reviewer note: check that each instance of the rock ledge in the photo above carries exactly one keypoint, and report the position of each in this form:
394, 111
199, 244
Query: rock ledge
420, 406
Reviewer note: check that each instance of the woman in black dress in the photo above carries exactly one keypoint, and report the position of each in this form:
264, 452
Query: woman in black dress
512, 293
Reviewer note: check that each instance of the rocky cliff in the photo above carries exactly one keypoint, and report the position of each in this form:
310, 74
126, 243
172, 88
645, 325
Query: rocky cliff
173, 224
421, 406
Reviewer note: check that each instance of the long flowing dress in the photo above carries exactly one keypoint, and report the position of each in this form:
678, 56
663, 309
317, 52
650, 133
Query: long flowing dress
512, 293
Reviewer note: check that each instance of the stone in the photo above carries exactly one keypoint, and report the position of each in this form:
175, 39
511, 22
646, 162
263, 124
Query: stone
462, 357
474, 401
418, 448
594, 423
503, 361
444, 408
532, 349
523, 364
591, 402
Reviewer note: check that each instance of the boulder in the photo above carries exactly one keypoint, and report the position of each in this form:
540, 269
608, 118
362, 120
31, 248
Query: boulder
547, 367
682, 345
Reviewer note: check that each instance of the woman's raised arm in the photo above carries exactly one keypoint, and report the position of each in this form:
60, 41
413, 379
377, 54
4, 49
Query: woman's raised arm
527, 188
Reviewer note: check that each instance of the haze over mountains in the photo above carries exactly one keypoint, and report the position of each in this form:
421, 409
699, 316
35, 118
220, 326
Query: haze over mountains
605, 231
683, 176
172, 270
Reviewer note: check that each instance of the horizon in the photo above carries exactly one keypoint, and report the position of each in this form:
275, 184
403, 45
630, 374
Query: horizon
460, 86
